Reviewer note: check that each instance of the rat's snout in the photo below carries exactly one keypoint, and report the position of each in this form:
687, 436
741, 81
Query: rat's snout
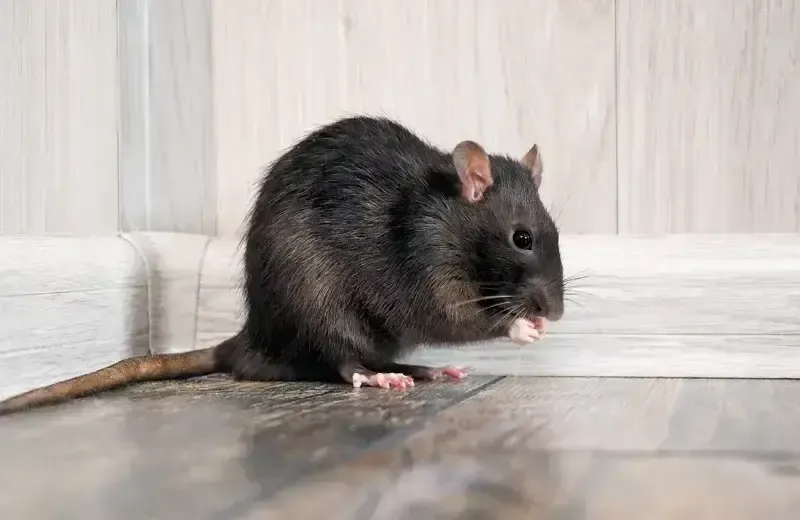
543, 302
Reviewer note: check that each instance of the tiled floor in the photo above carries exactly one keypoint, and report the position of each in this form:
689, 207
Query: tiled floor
489, 447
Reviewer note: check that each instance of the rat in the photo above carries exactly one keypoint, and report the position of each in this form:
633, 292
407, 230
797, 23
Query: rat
364, 242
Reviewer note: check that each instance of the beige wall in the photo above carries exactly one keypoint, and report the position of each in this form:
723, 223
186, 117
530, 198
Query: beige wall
58, 116
669, 116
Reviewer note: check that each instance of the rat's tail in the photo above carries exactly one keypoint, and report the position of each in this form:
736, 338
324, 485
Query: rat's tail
131, 370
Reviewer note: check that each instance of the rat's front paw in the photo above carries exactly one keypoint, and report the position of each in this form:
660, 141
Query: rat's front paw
523, 331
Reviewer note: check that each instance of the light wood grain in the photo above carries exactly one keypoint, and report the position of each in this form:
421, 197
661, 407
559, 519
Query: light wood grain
68, 306
526, 485
579, 448
525, 71
168, 136
708, 110
708, 417
58, 116
134, 129
629, 355
604, 449
254, 439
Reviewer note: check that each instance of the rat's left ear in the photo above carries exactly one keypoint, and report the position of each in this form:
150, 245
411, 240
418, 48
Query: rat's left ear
533, 160
472, 165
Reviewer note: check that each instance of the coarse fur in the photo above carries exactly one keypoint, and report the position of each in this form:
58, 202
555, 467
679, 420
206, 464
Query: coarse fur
365, 241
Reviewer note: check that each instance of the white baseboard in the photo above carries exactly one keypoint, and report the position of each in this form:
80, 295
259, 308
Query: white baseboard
631, 355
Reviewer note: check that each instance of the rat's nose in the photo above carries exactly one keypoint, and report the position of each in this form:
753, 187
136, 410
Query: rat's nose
543, 305
538, 300
555, 313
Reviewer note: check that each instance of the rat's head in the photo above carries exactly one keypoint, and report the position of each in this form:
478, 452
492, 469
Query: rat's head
513, 240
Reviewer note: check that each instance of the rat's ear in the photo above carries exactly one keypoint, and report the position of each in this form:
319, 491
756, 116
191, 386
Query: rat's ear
533, 160
472, 165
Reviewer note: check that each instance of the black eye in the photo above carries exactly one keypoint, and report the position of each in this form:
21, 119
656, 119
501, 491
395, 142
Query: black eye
522, 239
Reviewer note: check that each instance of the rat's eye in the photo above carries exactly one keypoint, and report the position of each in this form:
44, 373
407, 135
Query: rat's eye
522, 239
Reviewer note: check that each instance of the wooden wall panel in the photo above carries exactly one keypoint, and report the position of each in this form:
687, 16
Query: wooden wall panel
691, 106
506, 74
58, 116
709, 115
167, 166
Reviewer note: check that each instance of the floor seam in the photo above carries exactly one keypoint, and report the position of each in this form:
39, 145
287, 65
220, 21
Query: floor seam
391, 441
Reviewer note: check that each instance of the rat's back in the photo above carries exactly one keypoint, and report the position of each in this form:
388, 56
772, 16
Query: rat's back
344, 181
324, 231
366, 152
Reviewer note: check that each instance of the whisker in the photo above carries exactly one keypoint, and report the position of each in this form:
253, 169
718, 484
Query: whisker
582, 271
550, 283
507, 315
500, 317
562, 209
516, 313
483, 298
575, 292
482, 309
574, 302
580, 275
574, 279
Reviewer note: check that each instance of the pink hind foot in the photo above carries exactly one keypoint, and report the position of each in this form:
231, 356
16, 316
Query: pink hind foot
382, 380
457, 373
425, 373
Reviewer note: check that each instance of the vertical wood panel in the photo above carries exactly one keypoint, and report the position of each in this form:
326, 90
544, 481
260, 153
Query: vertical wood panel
709, 116
276, 72
546, 73
58, 116
134, 135
507, 75
182, 184
168, 149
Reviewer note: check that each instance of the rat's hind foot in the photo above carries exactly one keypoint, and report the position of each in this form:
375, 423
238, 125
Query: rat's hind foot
358, 376
424, 373
383, 380
457, 373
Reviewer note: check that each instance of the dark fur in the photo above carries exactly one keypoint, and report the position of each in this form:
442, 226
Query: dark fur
360, 246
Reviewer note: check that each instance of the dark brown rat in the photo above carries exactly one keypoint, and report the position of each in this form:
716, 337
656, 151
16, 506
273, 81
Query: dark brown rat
364, 242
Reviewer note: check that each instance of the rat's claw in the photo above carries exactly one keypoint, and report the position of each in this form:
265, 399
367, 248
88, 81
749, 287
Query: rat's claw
524, 331
391, 380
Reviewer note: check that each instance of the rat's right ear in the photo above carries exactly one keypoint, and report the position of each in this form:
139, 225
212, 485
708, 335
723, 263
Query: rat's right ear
474, 172
533, 160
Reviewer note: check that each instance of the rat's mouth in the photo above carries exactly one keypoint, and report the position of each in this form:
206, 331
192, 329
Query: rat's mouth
540, 322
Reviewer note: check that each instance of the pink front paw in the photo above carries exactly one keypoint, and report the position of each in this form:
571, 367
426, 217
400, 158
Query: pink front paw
523, 331
541, 325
